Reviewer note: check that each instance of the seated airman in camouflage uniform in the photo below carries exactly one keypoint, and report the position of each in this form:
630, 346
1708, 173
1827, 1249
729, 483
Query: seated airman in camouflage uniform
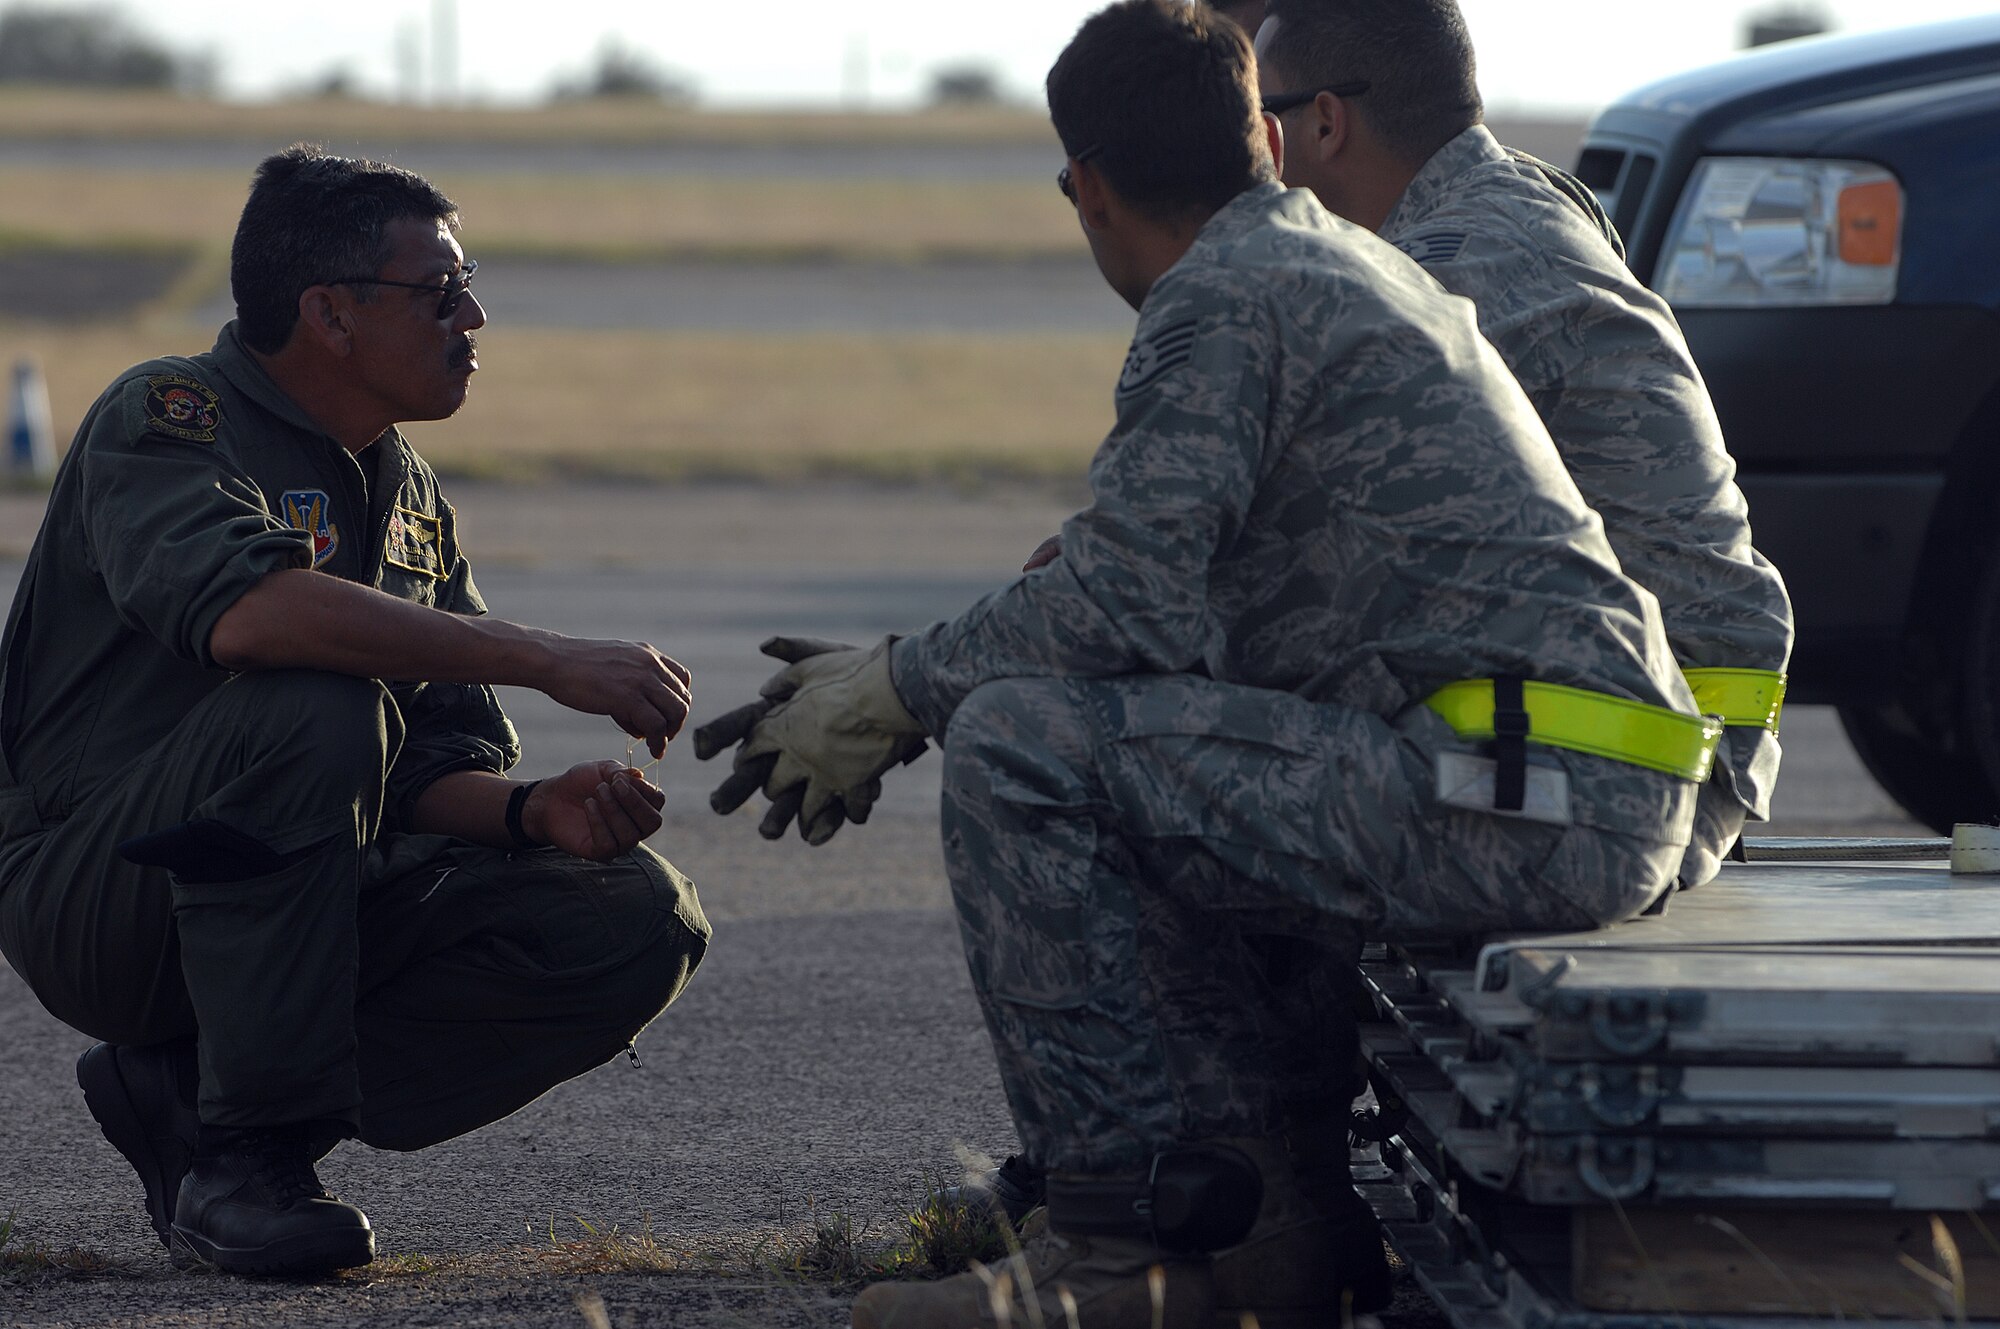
1330, 553
255, 826
1402, 153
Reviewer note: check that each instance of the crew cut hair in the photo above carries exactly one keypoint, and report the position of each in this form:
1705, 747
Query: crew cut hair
1228, 8
1161, 95
1415, 55
311, 218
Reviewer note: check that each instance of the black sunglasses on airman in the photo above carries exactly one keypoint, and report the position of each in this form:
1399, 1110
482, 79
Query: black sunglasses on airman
449, 295
1280, 102
1062, 176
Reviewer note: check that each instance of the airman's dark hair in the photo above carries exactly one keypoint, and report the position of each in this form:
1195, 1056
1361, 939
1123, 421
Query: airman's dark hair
1228, 8
1414, 55
313, 217
1161, 95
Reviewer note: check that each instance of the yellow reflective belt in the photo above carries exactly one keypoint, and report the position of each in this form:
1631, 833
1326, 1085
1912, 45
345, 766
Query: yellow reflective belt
1751, 697
1604, 726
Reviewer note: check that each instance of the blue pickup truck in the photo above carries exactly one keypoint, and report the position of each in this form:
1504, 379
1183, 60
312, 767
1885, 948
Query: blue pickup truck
1824, 217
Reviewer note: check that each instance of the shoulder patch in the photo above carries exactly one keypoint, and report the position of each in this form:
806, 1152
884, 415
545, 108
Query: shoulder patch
182, 407
311, 511
1159, 355
1437, 247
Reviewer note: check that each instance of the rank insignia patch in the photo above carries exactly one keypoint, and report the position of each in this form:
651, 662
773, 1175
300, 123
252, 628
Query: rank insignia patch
311, 511
1159, 355
182, 408
1437, 247
414, 543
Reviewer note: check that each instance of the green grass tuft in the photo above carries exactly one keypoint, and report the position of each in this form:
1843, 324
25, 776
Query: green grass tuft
606, 1250
938, 1238
943, 1238
29, 1262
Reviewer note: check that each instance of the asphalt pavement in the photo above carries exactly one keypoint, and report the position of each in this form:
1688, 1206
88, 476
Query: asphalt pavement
825, 1060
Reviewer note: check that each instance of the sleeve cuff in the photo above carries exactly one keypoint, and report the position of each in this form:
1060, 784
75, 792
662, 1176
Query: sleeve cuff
928, 705
275, 550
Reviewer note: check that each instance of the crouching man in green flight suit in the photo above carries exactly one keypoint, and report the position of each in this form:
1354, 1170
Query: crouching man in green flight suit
256, 831
1336, 649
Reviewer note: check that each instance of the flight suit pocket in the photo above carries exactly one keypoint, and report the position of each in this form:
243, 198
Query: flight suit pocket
560, 917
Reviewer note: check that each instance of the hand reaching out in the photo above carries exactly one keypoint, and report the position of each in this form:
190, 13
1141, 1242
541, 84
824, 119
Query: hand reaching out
645, 691
817, 743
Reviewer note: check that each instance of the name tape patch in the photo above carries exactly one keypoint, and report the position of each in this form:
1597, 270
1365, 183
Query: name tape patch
415, 543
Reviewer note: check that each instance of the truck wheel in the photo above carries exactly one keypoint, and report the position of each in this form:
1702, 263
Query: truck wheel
1938, 781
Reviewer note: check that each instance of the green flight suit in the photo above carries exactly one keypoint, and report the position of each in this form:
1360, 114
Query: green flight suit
334, 965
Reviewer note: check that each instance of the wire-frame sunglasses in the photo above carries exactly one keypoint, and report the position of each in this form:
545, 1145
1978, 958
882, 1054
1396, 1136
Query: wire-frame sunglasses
450, 295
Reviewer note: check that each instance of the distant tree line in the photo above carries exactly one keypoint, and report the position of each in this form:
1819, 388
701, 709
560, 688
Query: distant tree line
93, 48
624, 72
967, 84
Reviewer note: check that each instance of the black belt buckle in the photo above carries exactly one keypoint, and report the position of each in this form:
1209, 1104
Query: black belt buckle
1510, 744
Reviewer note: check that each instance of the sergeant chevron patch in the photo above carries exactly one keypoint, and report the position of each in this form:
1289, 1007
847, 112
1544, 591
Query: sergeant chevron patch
1157, 356
1437, 247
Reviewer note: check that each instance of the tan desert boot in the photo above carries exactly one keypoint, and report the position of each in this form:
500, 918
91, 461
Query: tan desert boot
1110, 1281
1300, 1267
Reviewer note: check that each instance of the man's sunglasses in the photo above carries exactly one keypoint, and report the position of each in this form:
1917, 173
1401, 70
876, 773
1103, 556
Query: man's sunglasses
1062, 177
450, 295
1280, 102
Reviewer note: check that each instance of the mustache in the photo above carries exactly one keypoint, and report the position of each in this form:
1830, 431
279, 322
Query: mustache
465, 350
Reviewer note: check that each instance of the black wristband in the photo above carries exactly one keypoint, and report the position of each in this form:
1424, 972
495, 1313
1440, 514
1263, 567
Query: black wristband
515, 801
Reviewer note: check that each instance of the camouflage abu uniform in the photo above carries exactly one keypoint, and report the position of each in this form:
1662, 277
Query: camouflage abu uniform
1323, 499
1603, 361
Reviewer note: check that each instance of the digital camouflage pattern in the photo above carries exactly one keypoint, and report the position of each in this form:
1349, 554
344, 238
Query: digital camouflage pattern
1333, 487
1323, 499
1605, 365
1117, 848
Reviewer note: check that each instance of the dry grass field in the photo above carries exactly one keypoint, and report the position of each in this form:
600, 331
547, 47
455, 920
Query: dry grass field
648, 406
64, 113
606, 217
613, 404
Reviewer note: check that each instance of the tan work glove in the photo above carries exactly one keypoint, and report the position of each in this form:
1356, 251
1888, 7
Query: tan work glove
829, 725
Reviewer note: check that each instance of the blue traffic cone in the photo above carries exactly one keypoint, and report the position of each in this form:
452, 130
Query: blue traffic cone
31, 449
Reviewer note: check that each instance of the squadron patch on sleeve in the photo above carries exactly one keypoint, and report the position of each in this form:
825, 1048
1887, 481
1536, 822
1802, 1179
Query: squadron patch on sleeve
182, 408
311, 511
1437, 247
1159, 355
414, 544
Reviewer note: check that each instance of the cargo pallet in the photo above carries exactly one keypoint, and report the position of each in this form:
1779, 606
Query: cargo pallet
1775, 1104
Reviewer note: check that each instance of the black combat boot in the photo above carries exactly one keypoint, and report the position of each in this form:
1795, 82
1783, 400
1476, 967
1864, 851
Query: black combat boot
252, 1204
144, 1101
1315, 1256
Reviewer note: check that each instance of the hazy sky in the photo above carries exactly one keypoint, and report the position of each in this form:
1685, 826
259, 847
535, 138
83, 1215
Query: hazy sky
1532, 53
